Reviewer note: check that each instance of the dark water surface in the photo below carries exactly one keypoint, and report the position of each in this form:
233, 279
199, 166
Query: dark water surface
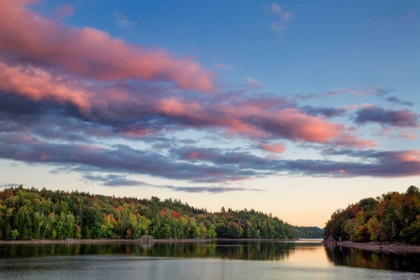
307, 259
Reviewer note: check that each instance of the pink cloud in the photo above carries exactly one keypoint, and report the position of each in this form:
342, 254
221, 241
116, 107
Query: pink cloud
409, 156
199, 155
349, 140
292, 124
253, 83
263, 117
255, 121
285, 17
235, 126
174, 107
392, 132
39, 85
407, 135
252, 118
90, 52
272, 148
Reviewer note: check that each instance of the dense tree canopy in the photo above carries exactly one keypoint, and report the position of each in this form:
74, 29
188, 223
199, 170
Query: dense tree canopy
44, 214
309, 232
391, 217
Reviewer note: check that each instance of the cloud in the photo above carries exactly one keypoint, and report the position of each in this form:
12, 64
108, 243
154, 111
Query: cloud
324, 111
372, 91
38, 84
397, 118
277, 148
80, 76
285, 17
119, 158
394, 18
90, 53
322, 94
112, 180
396, 101
212, 190
122, 20
349, 140
392, 133
62, 103
252, 83
408, 135
63, 11
385, 164
293, 124
196, 164
360, 91
128, 110
411, 13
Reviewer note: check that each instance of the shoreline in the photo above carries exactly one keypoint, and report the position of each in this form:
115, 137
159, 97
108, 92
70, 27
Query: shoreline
130, 241
378, 247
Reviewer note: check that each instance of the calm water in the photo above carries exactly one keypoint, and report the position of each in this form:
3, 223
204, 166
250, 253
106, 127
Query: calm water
214, 260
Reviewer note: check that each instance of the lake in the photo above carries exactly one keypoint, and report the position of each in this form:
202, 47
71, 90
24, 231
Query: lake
307, 259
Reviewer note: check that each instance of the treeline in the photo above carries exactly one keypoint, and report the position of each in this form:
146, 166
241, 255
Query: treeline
393, 217
309, 232
45, 214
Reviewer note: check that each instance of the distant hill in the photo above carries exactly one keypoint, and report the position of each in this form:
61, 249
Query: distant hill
44, 214
393, 217
309, 232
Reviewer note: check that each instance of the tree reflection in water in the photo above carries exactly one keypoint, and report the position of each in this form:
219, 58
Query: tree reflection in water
255, 250
362, 258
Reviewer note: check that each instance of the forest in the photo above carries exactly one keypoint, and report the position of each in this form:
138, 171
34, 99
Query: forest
392, 217
309, 232
45, 214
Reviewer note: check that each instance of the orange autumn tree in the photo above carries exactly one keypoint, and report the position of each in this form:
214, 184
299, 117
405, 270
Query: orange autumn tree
391, 217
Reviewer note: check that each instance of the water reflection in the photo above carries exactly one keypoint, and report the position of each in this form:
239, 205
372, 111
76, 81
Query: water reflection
257, 250
212, 260
361, 258
291, 253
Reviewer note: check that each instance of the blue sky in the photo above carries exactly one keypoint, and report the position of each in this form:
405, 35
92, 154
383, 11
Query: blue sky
295, 108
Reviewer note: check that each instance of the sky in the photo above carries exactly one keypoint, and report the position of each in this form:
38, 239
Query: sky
295, 108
